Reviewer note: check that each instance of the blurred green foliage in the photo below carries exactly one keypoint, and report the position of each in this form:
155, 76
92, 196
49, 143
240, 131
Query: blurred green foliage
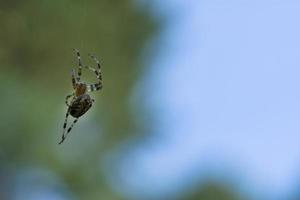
36, 56
213, 191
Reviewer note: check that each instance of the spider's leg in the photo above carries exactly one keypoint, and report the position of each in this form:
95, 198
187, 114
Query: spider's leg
94, 87
64, 136
98, 85
64, 127
98, 64
79, 64
67, 97
73, 78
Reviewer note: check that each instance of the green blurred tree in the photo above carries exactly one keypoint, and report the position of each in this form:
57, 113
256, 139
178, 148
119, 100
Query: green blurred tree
213, 191
36, 56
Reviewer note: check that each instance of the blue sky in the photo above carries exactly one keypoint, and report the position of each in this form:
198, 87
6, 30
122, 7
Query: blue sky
223, 84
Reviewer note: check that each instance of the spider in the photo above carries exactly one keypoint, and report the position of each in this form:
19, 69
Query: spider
81, 102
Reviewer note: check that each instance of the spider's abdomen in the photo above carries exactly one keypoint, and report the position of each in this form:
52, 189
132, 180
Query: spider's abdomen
80, 105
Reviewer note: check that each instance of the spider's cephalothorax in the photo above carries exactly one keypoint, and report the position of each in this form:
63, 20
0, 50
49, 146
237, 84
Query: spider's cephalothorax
81, 102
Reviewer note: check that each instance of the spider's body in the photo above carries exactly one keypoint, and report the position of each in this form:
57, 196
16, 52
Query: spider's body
81, 101
80, 89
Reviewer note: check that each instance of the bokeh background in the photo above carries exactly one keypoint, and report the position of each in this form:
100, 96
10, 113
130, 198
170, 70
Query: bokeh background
201, 100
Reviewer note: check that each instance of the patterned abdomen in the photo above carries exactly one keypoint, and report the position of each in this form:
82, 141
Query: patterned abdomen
80, 106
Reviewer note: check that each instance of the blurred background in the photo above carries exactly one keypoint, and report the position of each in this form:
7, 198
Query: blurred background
200, 100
